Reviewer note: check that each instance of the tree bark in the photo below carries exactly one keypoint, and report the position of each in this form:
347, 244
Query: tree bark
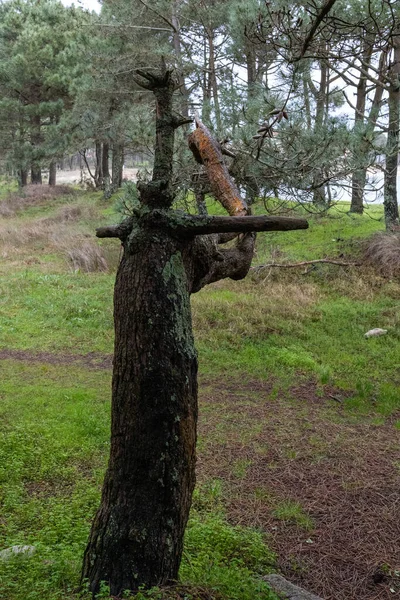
23, 177
36, 138
137, 535
52, 173
36, 175
98, 174
390, 203
359, 177
117, 166
319, 196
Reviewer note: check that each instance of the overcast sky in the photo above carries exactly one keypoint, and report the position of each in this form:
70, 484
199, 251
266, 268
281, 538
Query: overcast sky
88, 4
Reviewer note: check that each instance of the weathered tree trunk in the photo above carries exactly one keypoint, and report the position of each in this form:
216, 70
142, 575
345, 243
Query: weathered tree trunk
137, 535
390, 203
53, 173
105, 160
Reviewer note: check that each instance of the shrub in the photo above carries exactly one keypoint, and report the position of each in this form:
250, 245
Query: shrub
88, 258
382, 251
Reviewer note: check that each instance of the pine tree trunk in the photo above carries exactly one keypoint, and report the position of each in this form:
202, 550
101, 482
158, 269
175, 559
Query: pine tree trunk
150, 478
98, 176
36, 138
137, 535
22, 177
36, 175
390, 203
106, 171
358, 182
53, 173
105, 158
319, 196
117, 166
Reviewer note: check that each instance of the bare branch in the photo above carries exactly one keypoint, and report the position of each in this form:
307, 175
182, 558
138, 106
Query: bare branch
305, 263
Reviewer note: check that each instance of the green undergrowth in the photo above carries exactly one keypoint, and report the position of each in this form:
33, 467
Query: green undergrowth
57, 312
54, 441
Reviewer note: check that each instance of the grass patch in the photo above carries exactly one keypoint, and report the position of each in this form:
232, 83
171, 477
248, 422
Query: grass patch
292, 512
54, 441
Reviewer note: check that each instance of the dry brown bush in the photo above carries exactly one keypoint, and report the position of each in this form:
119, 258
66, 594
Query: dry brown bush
382, 251
31, 195
88, 258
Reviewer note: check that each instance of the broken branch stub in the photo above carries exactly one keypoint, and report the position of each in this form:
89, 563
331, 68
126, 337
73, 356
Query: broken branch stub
207, 152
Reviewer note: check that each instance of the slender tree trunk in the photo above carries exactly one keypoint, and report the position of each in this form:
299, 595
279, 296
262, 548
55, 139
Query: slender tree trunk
22, 177
98, 176
106, 170
390, 202
307, 104
360, 175
213, 80
319, 196
117, 166
251, 69
184, 95
105, 160
52, 173
36, 138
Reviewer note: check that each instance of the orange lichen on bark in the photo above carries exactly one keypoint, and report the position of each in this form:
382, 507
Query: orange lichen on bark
206, 151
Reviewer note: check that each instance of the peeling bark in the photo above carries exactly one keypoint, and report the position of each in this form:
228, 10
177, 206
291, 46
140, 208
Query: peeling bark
207, 152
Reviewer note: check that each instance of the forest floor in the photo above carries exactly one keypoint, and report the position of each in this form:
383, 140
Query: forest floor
299, 425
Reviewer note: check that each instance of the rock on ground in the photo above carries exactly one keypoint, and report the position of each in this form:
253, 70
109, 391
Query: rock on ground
289, 591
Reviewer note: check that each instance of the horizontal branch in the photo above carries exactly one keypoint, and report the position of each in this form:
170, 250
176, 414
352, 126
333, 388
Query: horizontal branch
196, 225
188, 226
305, 263
120, 231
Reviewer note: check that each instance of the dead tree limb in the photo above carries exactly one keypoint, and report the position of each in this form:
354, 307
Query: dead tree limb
208, 153
305, 263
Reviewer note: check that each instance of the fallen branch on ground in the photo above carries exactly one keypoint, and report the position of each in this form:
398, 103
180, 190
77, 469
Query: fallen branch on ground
305, 263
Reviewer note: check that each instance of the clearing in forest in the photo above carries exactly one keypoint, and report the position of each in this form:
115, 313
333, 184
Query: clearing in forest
299, 414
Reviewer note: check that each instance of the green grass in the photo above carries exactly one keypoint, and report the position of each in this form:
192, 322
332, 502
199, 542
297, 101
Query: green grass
292, 512
54, 442
58, 312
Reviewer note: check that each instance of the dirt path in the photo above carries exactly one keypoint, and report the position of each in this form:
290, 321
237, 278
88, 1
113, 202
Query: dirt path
93, 360
323, 483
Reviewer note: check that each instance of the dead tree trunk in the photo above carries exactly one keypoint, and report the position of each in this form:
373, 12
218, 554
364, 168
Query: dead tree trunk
137, 535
